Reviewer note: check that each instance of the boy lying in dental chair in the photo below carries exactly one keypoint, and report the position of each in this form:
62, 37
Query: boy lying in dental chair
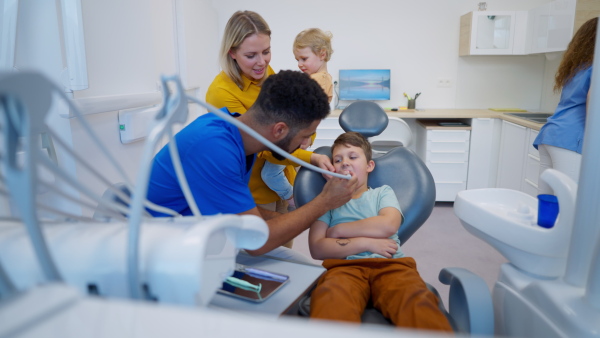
361, 251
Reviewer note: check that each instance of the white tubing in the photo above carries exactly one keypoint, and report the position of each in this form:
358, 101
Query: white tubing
263, 140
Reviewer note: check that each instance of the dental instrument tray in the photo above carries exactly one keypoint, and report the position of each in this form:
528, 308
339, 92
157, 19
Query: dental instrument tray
252, 284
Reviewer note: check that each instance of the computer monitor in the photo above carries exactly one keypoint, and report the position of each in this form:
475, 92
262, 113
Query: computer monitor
364, 84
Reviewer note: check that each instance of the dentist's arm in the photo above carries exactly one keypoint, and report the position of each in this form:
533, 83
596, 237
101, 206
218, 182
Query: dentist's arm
284, 227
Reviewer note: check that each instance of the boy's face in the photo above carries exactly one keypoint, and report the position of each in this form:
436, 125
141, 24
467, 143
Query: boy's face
348, 158
308, 62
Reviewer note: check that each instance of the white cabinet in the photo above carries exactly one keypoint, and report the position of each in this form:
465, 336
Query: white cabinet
492, 33
445, 151
512, 155
543, 29
519, 161
483, 153
531, 171
550, 26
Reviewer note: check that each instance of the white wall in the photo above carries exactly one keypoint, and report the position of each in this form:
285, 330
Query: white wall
129, 46
417, 39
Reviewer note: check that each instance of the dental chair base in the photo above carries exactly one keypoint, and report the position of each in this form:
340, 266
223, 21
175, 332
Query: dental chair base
531, 296
526, 306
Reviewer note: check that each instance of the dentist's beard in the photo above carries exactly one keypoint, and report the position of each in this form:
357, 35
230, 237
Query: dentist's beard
285, 145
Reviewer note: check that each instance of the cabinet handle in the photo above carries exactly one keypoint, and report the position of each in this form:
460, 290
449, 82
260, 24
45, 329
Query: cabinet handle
530, 183
438, 162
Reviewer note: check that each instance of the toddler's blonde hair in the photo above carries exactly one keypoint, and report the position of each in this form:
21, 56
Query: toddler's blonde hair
316, 39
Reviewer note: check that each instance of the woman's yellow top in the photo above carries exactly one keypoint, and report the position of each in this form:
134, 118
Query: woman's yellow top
223, 92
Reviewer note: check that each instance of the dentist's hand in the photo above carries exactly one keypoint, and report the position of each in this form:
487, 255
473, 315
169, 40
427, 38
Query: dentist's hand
338, 191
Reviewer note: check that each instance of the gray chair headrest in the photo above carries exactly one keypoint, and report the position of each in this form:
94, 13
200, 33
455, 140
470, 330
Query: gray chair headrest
364, 117
401, 169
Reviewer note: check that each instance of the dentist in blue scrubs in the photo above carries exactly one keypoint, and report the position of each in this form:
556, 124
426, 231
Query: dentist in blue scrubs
217, 159
560, 140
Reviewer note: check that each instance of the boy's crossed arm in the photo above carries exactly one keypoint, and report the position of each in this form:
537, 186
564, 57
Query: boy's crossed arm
370, 234
385, 224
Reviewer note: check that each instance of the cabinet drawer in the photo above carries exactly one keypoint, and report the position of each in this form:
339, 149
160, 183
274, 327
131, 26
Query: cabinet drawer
532, 168
448, 146
447, 156
448, 172
446, 192
530, 148
448, 135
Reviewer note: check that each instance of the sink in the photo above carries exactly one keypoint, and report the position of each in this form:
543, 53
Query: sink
533, 117
506, 219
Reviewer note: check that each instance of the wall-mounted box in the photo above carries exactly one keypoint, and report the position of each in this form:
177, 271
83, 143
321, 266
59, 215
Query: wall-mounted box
134, 123
550, 26
546, 28
493, 33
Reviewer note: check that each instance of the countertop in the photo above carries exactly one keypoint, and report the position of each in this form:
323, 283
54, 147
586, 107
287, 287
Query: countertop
455, 114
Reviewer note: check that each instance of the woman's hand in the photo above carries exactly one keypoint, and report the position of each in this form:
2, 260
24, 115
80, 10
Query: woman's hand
323, 162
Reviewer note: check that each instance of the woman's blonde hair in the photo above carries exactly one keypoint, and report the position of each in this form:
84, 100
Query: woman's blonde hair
316, 39
241, 25
579, 54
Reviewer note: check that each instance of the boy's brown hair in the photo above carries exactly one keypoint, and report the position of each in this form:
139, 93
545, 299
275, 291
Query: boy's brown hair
353, 138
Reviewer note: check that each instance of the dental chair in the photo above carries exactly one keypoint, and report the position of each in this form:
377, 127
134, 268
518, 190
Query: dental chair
411, 180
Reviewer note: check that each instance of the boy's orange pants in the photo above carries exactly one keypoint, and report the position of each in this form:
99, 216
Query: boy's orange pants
393, 285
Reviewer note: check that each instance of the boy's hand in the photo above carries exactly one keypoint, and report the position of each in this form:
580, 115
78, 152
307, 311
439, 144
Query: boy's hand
382, 246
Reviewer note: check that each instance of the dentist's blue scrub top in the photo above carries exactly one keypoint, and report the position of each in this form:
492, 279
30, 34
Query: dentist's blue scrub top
565, 128
215, 165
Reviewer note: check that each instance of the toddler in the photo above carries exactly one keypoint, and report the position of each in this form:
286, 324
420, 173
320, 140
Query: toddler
312, 49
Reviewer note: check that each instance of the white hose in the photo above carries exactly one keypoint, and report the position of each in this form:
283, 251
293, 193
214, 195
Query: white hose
263, 140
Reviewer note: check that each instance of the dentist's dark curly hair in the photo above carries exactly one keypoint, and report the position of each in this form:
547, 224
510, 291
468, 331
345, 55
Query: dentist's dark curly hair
291, 97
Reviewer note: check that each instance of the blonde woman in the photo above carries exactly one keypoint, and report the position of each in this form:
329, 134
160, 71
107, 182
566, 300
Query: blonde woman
245, 55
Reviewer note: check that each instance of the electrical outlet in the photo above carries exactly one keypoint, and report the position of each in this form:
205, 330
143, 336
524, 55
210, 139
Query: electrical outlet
444, 83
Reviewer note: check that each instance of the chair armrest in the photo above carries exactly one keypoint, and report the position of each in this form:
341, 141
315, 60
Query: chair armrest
470, 302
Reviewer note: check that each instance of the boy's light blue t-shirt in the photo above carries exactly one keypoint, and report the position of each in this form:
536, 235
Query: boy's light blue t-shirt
367, 205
